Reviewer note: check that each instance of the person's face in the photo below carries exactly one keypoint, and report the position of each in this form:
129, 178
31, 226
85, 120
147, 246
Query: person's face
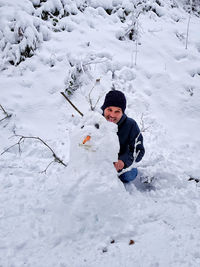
113, 114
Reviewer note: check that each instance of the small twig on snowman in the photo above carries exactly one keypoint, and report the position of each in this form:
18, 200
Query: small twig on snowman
22, 139
6, 113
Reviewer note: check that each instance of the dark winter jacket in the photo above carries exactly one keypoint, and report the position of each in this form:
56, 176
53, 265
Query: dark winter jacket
128, 132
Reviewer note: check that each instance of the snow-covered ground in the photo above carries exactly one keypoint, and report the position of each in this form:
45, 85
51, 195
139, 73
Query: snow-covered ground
81, 215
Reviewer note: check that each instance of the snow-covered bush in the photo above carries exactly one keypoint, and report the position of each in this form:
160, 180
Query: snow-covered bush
84, 71
20, 32
73, 80
191, 6
128, 13
124, 8
56, 9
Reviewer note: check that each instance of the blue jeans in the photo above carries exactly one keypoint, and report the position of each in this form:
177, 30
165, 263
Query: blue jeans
129, 175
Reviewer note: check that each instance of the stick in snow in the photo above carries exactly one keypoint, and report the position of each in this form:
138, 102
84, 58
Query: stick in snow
6, 113
62, 93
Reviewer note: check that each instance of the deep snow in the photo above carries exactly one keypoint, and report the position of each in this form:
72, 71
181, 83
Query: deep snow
69, 216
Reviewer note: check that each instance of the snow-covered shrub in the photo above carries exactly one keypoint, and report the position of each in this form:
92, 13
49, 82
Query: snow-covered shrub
191, 6
20, 32
73, 80
83, 71
65, 24
129, 31
124, 8
55, 9
129, 13
196, 7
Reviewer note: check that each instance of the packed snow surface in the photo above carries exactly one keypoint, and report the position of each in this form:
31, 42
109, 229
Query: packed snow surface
81, 215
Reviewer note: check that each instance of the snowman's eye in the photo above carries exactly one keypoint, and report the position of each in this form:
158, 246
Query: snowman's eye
82, 126
96, 125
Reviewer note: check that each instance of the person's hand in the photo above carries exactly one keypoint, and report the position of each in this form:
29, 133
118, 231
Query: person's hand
119, 165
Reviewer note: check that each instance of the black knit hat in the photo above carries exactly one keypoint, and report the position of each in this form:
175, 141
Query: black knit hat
115, 98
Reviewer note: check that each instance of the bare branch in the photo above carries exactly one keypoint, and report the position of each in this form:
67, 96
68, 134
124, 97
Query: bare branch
6, 113
62, 93
3, 109
22, 139
97, 101
6, 150
45, 170
90, 99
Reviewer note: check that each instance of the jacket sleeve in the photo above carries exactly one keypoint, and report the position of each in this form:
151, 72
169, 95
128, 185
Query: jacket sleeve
135, 145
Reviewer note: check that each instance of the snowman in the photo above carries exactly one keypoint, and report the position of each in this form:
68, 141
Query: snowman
96, 200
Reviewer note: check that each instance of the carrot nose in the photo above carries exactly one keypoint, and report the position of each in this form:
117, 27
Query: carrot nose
87, 138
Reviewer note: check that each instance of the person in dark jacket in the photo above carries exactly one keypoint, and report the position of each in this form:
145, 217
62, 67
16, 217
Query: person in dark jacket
130, 137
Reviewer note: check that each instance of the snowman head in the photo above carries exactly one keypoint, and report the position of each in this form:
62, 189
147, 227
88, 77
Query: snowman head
95, 139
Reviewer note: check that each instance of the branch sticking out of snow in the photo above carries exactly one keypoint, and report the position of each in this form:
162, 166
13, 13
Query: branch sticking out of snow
62, 93
6, 113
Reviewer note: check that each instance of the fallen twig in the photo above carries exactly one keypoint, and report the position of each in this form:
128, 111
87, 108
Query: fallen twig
45, 170
6, 113
22, 138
